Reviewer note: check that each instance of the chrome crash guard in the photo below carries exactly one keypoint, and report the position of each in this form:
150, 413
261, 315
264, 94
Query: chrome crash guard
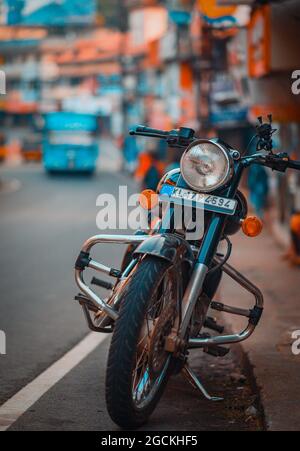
90, 301
166, 246
171, 248
254, 315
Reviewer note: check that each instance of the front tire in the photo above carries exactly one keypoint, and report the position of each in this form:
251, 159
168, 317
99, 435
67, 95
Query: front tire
123, 371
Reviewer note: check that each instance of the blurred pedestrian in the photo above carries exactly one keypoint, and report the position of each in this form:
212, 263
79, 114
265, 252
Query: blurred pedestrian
151, 166
174, 157
258, 183
294, 254
131, 151
2, 148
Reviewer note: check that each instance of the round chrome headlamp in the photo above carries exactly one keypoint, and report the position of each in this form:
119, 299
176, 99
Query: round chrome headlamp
206, 166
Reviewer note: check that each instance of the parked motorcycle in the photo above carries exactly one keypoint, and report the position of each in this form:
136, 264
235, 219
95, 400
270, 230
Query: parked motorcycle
159, 306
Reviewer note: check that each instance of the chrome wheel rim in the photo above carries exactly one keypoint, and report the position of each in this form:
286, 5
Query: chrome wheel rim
144, 384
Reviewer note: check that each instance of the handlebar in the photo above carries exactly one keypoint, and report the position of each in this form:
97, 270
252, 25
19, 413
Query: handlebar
182, 137
277, 162
141, 130
281, 162
294, 165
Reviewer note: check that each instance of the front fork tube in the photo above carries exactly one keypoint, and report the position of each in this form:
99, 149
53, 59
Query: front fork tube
201, 268
204, 260
206, 254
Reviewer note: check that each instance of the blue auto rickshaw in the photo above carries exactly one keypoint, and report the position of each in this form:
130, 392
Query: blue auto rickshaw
70, 142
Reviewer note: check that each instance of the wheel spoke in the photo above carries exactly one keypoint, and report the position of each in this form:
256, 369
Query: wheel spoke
143, 382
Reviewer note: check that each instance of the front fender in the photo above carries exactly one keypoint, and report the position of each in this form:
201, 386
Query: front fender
169, 247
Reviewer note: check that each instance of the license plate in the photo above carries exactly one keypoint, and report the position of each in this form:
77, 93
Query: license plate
204, 201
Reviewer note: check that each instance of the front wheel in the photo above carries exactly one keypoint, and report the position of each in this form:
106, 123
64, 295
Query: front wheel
138, 365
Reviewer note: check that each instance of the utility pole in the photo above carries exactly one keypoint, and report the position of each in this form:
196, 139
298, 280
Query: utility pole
123, 28
115, 13
203, 69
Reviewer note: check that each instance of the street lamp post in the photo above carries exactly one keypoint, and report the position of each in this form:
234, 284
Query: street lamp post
123, 28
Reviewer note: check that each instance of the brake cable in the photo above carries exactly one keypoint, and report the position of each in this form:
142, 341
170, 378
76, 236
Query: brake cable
225, 259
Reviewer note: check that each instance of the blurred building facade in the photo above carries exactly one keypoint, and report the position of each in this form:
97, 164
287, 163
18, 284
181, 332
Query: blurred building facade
214, 65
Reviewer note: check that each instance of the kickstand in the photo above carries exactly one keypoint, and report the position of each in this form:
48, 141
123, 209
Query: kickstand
195, 382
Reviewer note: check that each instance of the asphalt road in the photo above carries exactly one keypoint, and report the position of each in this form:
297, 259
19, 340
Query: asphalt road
42, 226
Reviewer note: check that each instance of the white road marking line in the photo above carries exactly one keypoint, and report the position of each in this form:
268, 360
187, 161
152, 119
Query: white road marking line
16, 406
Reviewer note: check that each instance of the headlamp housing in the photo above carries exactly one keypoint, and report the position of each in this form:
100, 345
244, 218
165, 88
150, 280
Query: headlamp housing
206, 166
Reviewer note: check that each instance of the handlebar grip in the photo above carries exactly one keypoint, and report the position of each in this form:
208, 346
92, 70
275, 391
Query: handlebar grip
102, 283
142, 130
294, 165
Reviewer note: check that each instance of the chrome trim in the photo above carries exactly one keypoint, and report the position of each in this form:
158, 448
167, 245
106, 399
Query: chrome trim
230, 169
166, 177
113, 239
191, 295
244, 282
195, 343
234, 338
232, 310
99, 267
98, 302
88, 245
129, 268
190, 375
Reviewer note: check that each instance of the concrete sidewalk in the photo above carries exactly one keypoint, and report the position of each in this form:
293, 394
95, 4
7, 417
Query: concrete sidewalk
276, 369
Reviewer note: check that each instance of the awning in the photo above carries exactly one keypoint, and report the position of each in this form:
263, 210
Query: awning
89, 69
224, 16
284, 113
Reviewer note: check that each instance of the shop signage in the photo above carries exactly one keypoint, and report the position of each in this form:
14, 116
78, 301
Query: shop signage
12, 34
168, 45
233, 116
48, 12
235, 2
259, 42
224, 16
180, 17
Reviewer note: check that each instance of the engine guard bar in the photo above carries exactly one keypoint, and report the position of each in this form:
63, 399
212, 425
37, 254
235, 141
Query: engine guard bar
254, 315
84, 261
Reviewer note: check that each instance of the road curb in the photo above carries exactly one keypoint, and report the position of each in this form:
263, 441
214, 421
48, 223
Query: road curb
275, 369
249, 371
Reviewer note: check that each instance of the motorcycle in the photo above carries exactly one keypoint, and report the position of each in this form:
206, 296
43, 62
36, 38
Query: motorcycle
164, 292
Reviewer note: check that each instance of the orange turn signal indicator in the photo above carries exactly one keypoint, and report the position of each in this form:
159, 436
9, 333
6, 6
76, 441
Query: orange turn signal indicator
148, 199
252, 226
